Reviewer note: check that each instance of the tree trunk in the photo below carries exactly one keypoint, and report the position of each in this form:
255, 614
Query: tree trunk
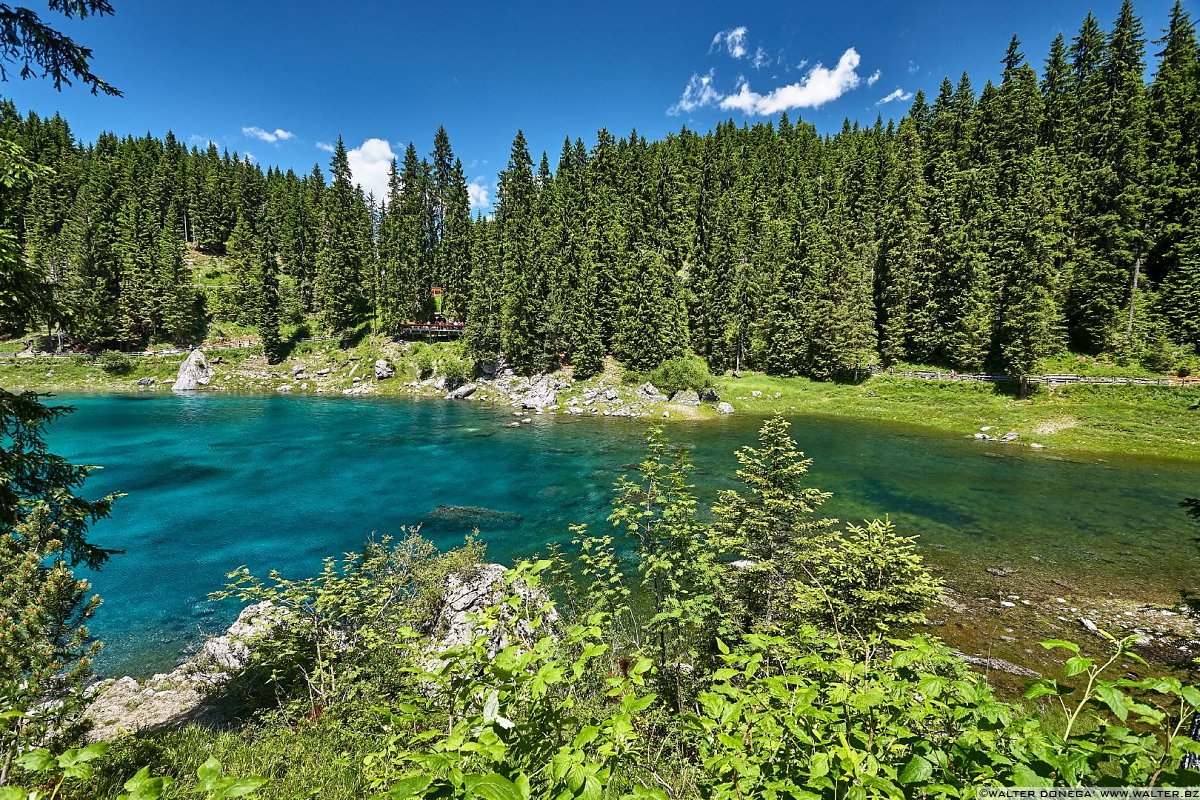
1137, 273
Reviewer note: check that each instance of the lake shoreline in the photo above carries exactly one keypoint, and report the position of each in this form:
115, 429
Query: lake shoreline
1074, 421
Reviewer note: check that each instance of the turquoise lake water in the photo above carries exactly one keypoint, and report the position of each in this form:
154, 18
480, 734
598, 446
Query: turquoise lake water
214, 482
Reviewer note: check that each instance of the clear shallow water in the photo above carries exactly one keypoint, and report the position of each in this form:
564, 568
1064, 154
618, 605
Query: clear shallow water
214, 482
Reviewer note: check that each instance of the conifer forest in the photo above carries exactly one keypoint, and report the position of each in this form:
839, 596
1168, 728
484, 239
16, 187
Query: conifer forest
993, 225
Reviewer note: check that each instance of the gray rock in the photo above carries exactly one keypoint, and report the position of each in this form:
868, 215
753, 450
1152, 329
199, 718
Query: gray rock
999, 665
384, 370
462, 392
146, 382
298, 369
467, 595
183, 694
686, 397
542, 393
1011, 436
194, 372
724, 408
1088, 625
648, 391
611, 394
709, 395
743, 564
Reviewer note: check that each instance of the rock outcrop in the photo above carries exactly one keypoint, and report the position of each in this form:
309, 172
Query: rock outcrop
686, 397
542, 392
467, 595
194, 372
648, 391
384, 370
183, 694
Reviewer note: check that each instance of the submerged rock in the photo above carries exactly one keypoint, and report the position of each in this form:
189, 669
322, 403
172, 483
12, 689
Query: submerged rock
462, 392
194, 372
999, 665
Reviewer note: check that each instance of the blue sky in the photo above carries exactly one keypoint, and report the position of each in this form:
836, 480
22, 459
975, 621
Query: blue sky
282, 80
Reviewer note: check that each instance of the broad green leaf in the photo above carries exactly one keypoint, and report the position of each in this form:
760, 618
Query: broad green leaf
1076, 665
1023, 777
1051, 644
493, 787
208, 772
917, 770
1115, 699
244, 786
39, 760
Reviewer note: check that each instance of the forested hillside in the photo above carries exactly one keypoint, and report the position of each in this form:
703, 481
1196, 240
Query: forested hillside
1056, 209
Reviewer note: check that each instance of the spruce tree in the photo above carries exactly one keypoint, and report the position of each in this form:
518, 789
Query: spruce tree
339, 261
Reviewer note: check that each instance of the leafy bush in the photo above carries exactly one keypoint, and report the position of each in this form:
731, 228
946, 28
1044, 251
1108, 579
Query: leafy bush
422, 360
677, 374
114, 362
456, 370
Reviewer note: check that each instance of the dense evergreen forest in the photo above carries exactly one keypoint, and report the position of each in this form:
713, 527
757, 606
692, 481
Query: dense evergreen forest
985, 230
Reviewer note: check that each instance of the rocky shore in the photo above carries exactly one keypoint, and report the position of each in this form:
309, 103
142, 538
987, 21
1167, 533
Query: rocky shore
192, 692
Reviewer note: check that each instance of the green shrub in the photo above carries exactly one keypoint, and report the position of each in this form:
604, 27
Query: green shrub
423, 361
115, 363
677, 374
456, 370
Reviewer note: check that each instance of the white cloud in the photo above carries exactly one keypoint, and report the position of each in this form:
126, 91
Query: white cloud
477, 194
874, 77
698, 93
270, 137
326, 146
819, 87
202, 141
913, 68
761, 59
733, 40
370, 163
898, 94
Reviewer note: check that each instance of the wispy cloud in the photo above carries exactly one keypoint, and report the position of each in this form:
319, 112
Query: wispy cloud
698, 93
270, 137
326, 146
370, 163
820, 86
732, 40
913, 69
874, 78
478, 196
761, 59
897, 94
202, 141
